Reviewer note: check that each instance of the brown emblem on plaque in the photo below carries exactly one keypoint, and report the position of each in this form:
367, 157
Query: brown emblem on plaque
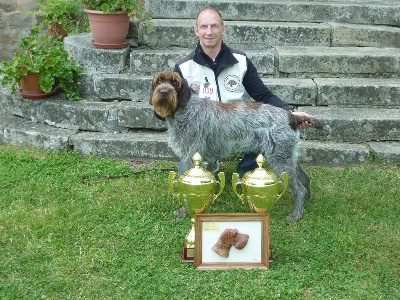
229, 238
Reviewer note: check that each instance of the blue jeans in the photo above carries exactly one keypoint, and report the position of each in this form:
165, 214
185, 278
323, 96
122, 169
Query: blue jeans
248, 163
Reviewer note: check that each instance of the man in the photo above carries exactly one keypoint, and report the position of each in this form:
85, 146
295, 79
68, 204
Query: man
219, 73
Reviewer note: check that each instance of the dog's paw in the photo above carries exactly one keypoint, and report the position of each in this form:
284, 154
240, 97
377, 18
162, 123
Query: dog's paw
294, 217
181, 213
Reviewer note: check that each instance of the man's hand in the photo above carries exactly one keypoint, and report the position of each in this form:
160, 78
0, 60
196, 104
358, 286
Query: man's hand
305, 124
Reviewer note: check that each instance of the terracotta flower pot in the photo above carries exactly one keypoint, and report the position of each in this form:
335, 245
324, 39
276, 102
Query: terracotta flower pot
30, 87
58, 30
109, 31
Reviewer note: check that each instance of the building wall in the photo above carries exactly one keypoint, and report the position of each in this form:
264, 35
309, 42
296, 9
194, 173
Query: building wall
14, 23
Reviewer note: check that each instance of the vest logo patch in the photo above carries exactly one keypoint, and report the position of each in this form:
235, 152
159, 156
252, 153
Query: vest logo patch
195, 87
232, 83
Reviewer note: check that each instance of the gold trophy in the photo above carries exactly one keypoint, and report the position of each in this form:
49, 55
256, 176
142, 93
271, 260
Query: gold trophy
260, 188
195, 191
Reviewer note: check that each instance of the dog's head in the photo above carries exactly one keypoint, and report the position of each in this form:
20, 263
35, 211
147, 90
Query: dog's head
229, 238
168, 92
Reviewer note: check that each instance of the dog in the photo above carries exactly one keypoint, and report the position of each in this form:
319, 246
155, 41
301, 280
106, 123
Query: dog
220, 130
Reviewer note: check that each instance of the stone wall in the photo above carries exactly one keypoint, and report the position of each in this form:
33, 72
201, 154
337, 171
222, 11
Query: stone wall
14, 23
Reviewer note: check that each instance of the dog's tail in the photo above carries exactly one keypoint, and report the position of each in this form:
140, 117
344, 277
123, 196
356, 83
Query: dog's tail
295, 120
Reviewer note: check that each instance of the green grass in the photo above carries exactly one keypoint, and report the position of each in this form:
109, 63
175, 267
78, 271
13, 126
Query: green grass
118, 239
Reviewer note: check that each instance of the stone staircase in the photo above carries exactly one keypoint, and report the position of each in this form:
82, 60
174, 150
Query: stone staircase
338, 60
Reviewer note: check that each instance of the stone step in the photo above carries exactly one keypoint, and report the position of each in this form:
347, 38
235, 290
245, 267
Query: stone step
333, 92
301, 62
145, 145
352, 11
262, 34
348, 124
338, 62
356, 124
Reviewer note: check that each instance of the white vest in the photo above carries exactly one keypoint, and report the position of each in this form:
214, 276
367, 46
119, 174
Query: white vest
229, 80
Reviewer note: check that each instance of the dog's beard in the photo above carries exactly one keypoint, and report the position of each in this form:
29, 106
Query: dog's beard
164, 106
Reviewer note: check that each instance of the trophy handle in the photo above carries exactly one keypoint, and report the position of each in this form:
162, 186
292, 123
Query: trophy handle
221, 182
173, 184
284, 183
235, 177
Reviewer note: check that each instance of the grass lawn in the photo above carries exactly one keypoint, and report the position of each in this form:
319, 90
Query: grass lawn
118, 239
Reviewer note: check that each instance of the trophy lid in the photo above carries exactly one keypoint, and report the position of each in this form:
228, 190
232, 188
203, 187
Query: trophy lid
196, 175
260, 176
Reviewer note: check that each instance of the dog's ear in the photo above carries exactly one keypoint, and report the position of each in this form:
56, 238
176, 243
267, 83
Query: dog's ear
184, 94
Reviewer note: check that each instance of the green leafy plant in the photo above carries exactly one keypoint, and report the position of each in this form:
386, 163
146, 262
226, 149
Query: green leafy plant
135, 8
68, 14
41, 53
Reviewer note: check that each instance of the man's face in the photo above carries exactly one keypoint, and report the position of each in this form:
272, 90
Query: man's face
209, 29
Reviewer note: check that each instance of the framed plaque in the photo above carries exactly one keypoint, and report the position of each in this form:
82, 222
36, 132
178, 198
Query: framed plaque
226, 241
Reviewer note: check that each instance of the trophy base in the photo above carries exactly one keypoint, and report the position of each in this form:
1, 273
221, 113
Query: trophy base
187, 254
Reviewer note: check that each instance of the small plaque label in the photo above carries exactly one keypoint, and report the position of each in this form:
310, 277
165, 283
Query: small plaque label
211, 226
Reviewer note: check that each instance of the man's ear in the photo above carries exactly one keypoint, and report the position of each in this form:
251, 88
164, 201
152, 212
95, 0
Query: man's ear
184, 94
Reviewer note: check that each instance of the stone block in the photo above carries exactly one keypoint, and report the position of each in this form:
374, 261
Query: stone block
20, 21
333, 154
266, 34
355, 12
167, 33
8, 5
21, 107
27, 5
359, 92
108, 61
331, 62
264, 61
131, 146
387, 152
350, 35
140, 116
293, 91
151, 61
38, 135
245, 35
88, 116
122, 87
356, 125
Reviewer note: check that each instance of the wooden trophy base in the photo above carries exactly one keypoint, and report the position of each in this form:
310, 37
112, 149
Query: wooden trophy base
187, 254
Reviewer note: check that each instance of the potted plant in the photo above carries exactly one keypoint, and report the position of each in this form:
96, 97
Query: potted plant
44, 55
63, 17
109, 20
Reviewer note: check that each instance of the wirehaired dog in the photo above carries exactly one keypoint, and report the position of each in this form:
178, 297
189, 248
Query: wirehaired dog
219, 130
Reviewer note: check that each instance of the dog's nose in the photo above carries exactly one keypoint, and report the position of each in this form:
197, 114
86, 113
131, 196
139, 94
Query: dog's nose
163, 92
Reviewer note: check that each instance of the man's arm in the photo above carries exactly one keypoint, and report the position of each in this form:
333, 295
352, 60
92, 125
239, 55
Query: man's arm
257, 89
259, 92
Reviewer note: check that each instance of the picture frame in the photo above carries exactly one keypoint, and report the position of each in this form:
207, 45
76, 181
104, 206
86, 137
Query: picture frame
211, 231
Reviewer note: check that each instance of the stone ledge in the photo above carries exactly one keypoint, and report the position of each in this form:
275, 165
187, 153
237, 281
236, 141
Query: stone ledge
133, 145
351, 11
33, 134
359, 92
355, 124
326, 62
79, 47
348, 124
179, 33
153, 144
